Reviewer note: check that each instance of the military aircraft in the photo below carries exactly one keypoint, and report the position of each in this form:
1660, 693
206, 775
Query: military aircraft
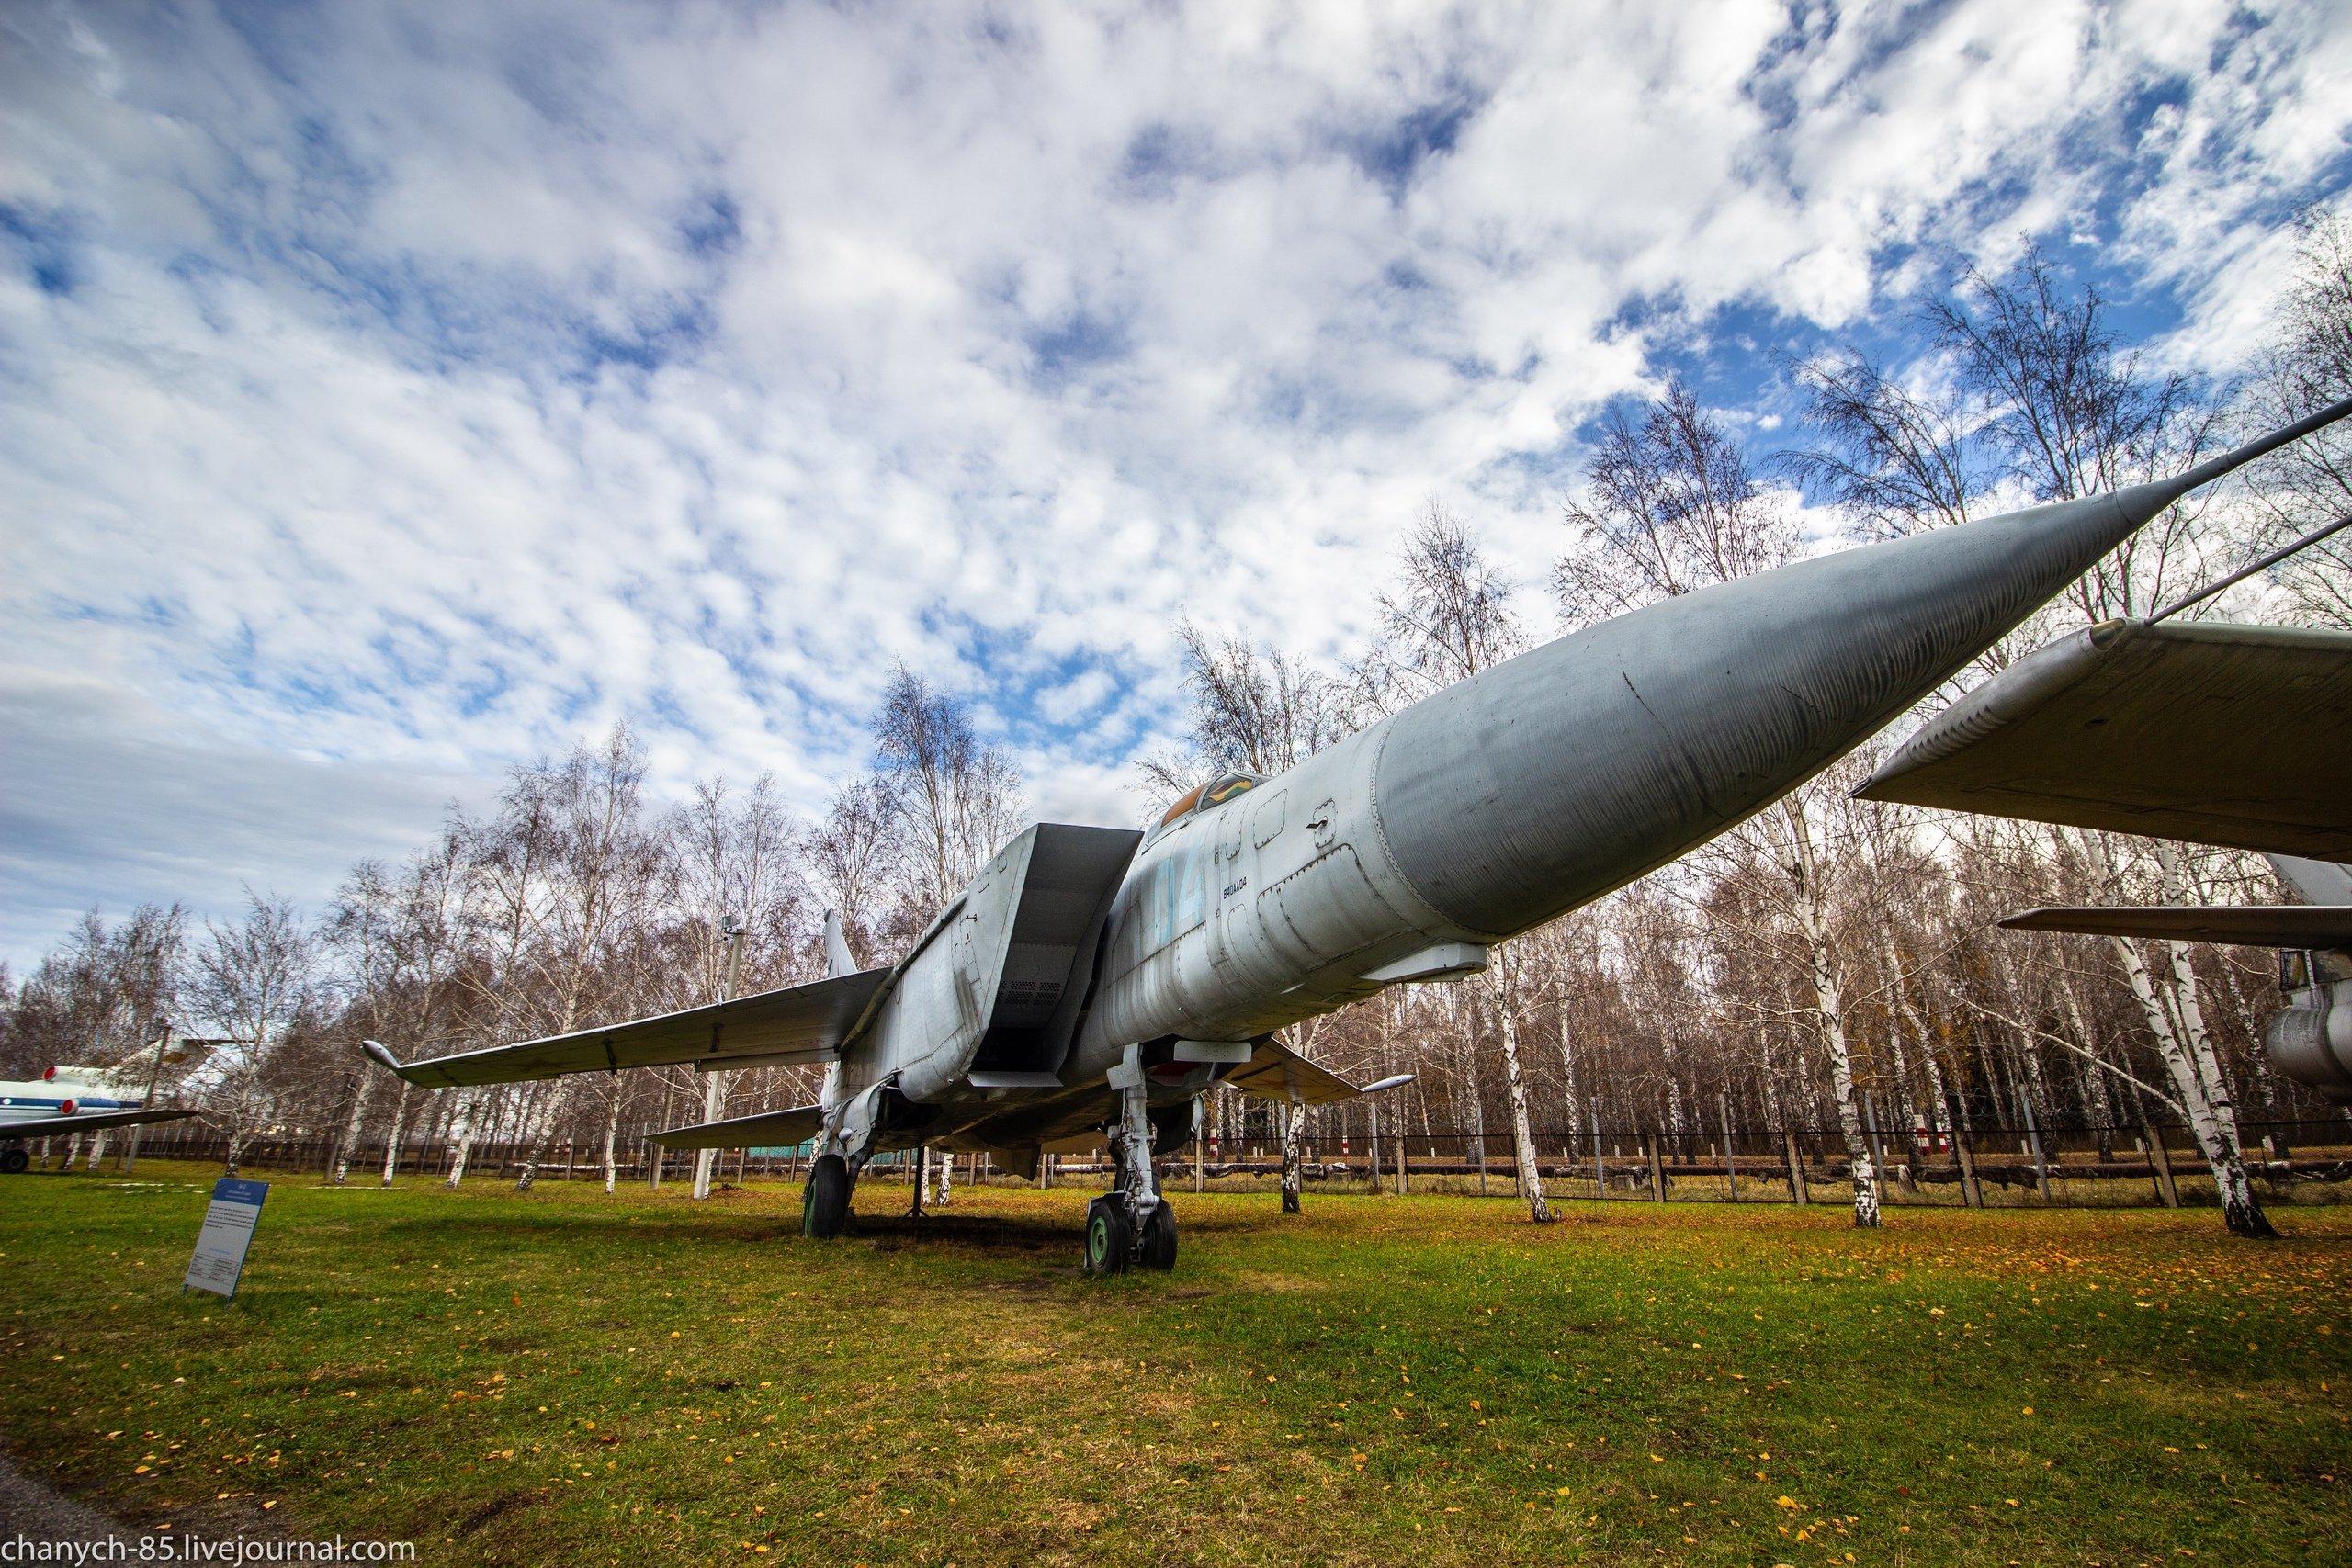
2210, 732
1096, 979
69, 1100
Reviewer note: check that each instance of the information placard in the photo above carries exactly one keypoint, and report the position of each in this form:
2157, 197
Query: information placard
228, 1231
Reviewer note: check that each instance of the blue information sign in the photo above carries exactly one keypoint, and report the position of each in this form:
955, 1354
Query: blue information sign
229, 1222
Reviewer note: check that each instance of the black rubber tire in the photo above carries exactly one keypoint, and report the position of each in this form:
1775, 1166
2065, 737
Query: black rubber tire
13, 1160
824, 1204
1110, 1239
1158, 1247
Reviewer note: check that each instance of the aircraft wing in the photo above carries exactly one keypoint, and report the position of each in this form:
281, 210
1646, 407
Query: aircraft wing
49, 1126
798, 1023
1277, 1072
2244, 925
770, 1129
2214, 733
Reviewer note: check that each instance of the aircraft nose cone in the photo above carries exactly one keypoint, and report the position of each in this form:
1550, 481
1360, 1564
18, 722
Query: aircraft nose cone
1571, 770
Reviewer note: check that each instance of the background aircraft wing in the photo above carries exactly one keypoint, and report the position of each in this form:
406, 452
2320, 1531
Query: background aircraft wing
2252, 925
1277, 1072
798, 1023
769, 1129
49, 1126
2214, 733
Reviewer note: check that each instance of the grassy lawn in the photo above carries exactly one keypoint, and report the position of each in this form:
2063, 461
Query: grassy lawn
574, 1377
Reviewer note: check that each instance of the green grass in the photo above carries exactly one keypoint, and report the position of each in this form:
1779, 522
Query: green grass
574, 1377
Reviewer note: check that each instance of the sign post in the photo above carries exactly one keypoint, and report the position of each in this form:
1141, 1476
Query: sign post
229, 1222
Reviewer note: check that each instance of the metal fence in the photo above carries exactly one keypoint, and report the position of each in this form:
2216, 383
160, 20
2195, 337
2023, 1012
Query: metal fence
2080, 1167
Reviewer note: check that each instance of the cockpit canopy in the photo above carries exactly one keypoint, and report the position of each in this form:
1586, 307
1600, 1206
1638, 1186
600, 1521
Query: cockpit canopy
1207, 797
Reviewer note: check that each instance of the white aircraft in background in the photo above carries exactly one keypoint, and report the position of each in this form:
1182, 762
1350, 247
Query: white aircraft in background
69, 1101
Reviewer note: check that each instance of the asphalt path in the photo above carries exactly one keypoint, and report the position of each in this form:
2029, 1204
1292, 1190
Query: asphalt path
31, 1508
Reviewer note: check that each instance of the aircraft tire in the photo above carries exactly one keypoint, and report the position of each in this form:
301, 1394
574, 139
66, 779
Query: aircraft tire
1158, 1247
824, 1203
13, 1160
1109, 1238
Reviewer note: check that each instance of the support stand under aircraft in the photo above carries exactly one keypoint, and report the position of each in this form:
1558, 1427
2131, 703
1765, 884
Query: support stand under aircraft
1096, 981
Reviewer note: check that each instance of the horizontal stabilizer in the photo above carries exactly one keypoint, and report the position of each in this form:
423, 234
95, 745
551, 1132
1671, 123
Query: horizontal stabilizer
798, 1023
2214, 733
50, 1126
2254, 925
1277, 1072
769, 1129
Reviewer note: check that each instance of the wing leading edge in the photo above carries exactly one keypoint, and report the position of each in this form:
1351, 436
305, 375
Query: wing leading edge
798, 1023
2215, 733
49, 1126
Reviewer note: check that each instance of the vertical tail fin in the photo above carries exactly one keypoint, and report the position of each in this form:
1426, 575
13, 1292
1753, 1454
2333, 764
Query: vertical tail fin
839, 960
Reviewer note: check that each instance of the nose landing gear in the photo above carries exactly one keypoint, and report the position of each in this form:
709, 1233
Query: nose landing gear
1131, 1224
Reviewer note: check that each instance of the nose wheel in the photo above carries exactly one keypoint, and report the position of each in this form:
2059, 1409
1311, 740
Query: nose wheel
1115, 1243
1131, 1224
1110, 1236
1156, 1248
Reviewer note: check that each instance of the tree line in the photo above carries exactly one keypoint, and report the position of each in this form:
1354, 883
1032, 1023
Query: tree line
1828, 964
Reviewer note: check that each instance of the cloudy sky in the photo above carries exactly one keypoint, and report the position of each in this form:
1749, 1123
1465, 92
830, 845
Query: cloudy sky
395, 393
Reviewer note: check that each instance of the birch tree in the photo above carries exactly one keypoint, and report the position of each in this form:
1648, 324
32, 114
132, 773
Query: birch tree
253, 979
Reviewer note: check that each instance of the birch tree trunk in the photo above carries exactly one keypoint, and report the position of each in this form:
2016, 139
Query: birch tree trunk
461, 1139
1822, 970
1523, 1135
1293, 1133
612, 1131
2204, 1099
392, 1144
351, 1128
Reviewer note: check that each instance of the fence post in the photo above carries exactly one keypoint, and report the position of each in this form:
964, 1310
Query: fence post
1657, 1170
2160, 1162
1730, 1161
1972, 1191
2033, 1136
1796, 1170
1599, 1164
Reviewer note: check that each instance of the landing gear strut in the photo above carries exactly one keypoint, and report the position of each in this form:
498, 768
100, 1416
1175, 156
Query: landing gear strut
1131, 1224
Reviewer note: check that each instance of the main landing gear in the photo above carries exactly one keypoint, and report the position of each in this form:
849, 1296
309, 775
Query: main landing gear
824, 1202
13, 1160
1131, 1224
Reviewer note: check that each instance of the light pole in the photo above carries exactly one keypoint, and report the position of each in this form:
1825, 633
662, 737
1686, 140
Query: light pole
154, 1077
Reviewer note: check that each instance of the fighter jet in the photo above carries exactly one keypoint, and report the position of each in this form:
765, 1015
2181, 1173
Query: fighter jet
1098, 980
69, 1100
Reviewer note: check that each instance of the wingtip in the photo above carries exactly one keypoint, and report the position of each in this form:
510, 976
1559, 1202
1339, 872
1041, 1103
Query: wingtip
379, 1052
